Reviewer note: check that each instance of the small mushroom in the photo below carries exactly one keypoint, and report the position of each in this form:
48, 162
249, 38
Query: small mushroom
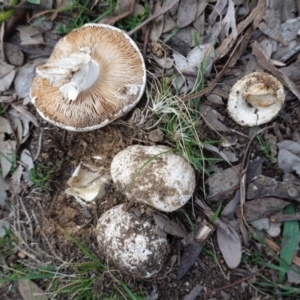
130, 242
154, 175
255, 99
94, 75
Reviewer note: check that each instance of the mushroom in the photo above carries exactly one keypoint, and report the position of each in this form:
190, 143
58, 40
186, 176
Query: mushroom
130, 242
154, 175
94, 75
255, 99
87, 184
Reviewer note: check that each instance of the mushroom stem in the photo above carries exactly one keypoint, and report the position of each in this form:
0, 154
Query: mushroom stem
73, 74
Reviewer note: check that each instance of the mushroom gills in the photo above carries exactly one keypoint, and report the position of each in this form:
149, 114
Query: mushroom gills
74, 73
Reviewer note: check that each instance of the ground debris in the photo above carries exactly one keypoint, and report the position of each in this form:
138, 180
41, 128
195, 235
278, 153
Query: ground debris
194, 243
264, 186
261, 208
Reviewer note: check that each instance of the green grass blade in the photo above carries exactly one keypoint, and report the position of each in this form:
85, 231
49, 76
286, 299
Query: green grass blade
289, 243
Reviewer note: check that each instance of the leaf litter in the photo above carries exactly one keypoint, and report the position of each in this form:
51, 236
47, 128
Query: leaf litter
198, 48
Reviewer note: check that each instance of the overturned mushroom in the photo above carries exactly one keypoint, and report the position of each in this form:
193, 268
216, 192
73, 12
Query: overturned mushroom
154, 175
130, 242
255, 99
94, 75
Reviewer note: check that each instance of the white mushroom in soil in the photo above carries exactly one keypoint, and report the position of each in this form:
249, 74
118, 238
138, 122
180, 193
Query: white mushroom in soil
130, 242
154, 175
94, 75
255, 99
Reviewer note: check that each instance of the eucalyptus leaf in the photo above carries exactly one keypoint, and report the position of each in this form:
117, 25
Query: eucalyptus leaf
289, 243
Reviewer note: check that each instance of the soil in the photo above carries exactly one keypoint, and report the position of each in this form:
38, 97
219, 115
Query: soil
57, 212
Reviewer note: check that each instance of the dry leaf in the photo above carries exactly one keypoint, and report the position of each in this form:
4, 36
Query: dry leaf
168, 226
31, 291
229, 20
25, 77
187, 12
23, 110
3, 188
5, 128
30, 35
212, 117
158, 23
7, 75
7, 156
261, 208
230, 246
13, 54
218, 9
26, 159
214, 149
4, 226
224, 181
16, 179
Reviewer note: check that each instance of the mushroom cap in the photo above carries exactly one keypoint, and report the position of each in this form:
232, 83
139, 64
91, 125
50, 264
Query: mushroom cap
116, 91
255, 99
165, 181
130, 242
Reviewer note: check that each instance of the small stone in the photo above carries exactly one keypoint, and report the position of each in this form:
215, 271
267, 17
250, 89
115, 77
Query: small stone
156, 135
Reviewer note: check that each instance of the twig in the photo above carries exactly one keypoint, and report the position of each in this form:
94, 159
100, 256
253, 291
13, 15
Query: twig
216, 80
245, 164
280, 217
209, 214
151, 18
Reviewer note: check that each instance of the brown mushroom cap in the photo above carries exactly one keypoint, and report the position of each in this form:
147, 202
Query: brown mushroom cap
116, 91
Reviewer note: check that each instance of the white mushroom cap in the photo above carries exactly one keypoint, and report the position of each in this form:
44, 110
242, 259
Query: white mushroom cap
255, 99
94, 75
130, 242
164, 181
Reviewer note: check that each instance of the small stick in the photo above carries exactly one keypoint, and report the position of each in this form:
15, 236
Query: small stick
285, 217
159, 13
